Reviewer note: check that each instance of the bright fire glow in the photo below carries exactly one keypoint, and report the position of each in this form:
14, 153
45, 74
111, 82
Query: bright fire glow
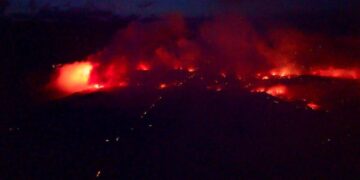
278, 90
98, 86
285, 71
74, 77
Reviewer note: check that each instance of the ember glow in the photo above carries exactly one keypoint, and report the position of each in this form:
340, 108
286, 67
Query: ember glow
163, 86
259, 90
313, 106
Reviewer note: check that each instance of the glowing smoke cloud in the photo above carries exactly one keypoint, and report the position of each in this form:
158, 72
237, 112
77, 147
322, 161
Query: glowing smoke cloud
225, 45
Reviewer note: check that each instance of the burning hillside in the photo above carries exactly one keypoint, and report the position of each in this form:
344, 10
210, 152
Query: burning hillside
224, 45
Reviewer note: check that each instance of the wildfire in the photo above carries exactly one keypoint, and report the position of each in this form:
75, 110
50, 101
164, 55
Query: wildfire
98, 86
223, 48
278, 90
337, 73
331, 72
74, 77
286, 71
282, 92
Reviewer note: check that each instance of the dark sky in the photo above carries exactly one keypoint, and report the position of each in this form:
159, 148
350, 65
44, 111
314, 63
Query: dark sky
191, 7
121, 7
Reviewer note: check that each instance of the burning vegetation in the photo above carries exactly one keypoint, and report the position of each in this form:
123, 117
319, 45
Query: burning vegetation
74, 77
226, 45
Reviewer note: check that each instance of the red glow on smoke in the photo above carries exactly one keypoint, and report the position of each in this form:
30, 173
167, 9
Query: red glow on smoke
123, 84
289, 94
226, 46
337, 73
223, 74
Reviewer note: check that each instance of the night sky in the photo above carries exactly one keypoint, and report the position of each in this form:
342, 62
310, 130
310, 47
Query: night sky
190, 7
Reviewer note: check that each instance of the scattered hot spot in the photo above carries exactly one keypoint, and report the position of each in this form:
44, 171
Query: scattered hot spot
143, 66
163, 86
313, 106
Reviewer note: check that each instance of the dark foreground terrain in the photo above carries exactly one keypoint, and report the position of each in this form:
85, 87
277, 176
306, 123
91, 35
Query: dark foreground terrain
178, 133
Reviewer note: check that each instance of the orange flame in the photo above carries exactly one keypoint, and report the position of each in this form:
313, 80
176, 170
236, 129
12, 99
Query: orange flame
74, 77
286, 71
278, 90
